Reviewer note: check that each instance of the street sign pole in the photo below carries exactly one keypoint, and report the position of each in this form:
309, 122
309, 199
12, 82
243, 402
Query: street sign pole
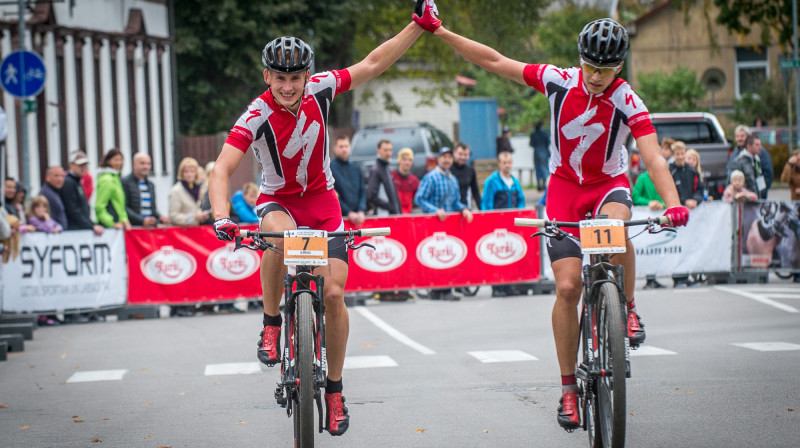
796, 74
25, 175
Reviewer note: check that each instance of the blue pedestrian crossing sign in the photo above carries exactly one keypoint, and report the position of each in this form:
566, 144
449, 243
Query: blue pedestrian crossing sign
22, 74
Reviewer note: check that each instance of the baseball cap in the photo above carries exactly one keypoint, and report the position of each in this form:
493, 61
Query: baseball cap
79, 158
444, 150
505, 129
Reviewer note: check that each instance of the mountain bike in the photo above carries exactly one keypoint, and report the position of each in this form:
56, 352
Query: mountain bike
604, 339
304, 364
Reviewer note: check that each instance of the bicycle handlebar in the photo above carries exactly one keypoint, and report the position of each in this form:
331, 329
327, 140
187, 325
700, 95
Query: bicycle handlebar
377, 231
528, 222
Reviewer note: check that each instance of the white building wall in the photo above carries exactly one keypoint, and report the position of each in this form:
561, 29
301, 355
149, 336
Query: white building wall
442, 115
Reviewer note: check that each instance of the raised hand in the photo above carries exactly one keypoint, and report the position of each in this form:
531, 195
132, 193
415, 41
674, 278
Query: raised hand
426, 15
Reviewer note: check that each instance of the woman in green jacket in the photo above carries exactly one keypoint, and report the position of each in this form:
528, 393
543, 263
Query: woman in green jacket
110, 203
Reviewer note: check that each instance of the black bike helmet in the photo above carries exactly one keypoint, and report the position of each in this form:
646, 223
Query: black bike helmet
287, 55
603, 41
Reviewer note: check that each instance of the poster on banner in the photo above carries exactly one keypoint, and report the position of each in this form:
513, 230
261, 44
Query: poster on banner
770, 235
64, 271
704, 245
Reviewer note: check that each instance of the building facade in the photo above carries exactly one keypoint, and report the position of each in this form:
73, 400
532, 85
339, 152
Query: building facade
109, 84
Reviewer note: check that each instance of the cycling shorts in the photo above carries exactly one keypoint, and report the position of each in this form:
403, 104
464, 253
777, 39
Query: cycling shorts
319, 212
568, 201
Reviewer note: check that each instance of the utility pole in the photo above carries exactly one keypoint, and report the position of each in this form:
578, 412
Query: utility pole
795, 70
25, 175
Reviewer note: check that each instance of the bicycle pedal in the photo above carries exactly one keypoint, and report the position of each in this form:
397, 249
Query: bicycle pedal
634, 346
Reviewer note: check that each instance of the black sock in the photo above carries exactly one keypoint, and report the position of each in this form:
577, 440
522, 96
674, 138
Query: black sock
333, 387
273, 321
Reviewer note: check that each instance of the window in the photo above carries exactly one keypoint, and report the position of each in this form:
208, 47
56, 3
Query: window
752, 69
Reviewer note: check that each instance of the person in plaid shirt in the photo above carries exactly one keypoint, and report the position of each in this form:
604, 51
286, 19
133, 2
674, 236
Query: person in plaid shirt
438, 191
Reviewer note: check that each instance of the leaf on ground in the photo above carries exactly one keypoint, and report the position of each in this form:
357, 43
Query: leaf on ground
420, 430
367, 345
3, 406
74, 416
164, 446
486, 431
77, 420
216, 382
63, 356
77, 367
240, 422
146, 403
105, 418
181, 393
149, 436
25, 427
677, 388
144, 368
96, 441
790, 409
52, 373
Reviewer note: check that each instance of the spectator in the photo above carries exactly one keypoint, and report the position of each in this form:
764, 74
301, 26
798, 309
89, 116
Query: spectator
791, 175
766, 169
666, 149
759, 122
466, 176
740, 135
540, 142
504, 141
736, 190
381, 193
690, 191
5, 232
205, 203
405, 182
51, 189
500, 191
10, 196
693, 160
348, 182
109, 206
75, 204
140, 194
19, 201
244, 202
644, 193
687, 180
11, 242
438, 193
184, 197
749, 163
39, 216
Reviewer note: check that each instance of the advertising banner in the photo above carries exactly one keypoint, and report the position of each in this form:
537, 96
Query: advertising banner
189, 265
704, 245
770, 235
64, 271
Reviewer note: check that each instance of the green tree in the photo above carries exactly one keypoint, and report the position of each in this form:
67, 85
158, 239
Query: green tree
769, 102
677, 91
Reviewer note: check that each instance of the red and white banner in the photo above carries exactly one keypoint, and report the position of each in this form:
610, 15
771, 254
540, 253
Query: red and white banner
188, 264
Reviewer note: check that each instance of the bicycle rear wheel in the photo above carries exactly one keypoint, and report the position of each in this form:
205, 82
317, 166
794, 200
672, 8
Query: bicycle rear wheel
612, 356
304, 371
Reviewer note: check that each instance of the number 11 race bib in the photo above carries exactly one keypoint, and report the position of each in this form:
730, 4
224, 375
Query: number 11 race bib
602, 236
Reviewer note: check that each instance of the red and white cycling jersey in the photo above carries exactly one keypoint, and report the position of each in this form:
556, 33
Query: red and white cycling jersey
588, 132
292, 150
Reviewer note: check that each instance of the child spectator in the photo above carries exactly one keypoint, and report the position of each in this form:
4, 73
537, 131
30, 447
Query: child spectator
244, 202
39, 216
736, 190
405, 182
502, 190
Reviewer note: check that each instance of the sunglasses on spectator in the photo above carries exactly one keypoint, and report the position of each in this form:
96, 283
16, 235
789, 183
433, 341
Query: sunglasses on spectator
603, 71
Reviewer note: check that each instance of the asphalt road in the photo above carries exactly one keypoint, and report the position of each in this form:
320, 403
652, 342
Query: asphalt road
417, 376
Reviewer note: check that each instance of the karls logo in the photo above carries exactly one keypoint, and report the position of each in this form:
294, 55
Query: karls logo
225, 264
388, 255
168, 266
441, 251
501, 248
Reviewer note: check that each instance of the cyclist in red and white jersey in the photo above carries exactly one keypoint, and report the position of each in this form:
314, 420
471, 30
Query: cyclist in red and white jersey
592, 113
286, 128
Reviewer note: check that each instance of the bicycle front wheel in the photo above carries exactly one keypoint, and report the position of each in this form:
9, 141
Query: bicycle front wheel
613, 364
304, 371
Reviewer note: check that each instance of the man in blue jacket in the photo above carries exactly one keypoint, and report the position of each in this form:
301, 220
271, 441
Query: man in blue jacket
349, 184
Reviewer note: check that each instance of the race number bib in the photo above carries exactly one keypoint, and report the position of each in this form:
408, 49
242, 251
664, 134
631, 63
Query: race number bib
761, 184
305, 247
602, 236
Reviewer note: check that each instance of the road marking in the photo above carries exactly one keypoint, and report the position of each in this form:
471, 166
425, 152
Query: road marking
503, 356
768, 346
233, 368
367, 362
795, 296
758, 298
393, 332
647, 350
97, 375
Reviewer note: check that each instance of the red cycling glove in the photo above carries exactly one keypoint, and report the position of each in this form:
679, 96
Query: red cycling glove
425, 15
678, 216
226, 229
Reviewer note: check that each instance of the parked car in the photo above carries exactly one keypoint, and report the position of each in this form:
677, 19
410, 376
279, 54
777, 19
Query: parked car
422, 137
700, 131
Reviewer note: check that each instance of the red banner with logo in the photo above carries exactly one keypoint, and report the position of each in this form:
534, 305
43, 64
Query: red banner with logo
189, 265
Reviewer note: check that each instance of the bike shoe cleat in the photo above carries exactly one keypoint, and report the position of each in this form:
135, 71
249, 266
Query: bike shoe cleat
338, 418
636, 333
269, 345
569, 412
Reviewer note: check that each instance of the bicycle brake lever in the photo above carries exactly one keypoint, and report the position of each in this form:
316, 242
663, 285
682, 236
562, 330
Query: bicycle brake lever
359, 246
662, 229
